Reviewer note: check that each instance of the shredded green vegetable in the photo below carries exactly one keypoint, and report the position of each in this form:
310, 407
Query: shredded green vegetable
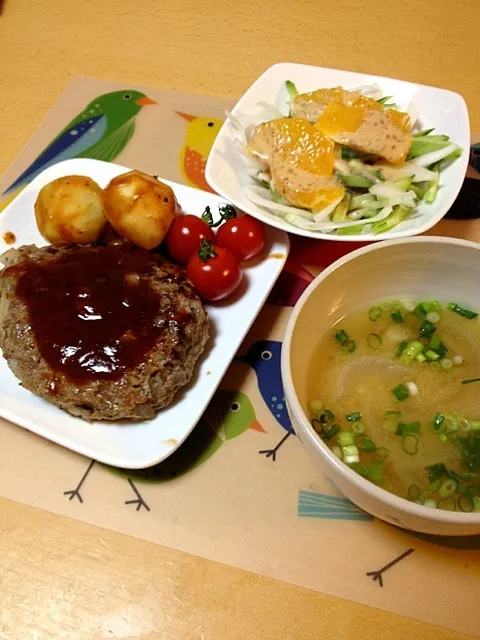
292, 89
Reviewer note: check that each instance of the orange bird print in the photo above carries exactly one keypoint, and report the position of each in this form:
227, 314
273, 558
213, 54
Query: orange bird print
201, 132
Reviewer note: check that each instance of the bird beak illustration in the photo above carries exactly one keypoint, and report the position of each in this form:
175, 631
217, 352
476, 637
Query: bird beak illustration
256, 426
142, 102
240, 359
186, 116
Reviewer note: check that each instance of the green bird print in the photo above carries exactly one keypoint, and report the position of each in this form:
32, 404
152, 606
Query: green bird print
229, 414
100, 131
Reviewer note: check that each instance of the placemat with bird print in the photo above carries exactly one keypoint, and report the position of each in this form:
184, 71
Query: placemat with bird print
241, 490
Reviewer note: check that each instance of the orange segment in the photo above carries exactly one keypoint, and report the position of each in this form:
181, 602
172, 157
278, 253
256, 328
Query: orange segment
325, 96
365, 103
338, 117
400, 119
315, 199
297, 142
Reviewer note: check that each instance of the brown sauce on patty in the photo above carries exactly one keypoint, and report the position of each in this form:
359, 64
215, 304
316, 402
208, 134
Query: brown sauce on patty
94, 312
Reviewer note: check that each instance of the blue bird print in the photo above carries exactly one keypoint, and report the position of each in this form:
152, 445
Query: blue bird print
100, 131
264, 357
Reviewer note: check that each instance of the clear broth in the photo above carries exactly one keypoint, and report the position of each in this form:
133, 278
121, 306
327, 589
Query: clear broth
363, 381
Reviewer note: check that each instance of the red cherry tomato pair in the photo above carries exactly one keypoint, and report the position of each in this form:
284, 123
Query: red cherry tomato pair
213, 262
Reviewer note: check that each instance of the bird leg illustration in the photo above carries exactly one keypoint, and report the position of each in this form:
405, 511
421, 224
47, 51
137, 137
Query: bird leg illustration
272, 453
75, 493
139, 501
264, 357
377, 575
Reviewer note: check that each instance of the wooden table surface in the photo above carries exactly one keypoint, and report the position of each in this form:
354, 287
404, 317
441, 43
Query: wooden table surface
64, 579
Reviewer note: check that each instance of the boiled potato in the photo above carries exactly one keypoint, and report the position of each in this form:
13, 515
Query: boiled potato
140, 208
70, 210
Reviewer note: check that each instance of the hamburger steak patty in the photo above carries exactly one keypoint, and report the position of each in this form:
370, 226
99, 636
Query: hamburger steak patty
103, 332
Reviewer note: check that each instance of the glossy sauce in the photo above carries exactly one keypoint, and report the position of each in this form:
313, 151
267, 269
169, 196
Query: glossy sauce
93, 312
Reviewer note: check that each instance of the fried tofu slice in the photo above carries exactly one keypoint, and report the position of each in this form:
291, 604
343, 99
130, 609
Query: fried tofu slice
379, 132
311, 105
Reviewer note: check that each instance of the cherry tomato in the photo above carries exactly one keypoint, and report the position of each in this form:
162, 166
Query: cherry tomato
185, 237
245, 236
214, 272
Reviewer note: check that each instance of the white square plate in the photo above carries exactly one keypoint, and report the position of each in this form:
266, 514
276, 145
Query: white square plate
439, 108
137, 445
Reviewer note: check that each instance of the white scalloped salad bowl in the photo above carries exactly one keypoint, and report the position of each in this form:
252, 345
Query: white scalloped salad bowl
437, 108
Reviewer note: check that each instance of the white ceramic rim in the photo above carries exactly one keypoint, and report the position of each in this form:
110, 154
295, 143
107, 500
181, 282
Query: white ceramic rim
389, 499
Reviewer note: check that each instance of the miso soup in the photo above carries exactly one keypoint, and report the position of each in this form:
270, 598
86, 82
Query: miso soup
394, 391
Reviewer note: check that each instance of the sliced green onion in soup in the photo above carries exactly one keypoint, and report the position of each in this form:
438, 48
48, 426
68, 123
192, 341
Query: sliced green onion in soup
448, 504
348, 346
401, 348
427, 329
315, 406
374, 341
410, 444
401, 392
413, 492
411, 350
404, 428
317, 426
431, 488
381, 453
436, 471
331, 432
448, 488
358, 428
466, 313
364, 443
345, 438
341, 336
466, 503
326, 416
375, 313
397, 316
438, 421
350, 454
354, 417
